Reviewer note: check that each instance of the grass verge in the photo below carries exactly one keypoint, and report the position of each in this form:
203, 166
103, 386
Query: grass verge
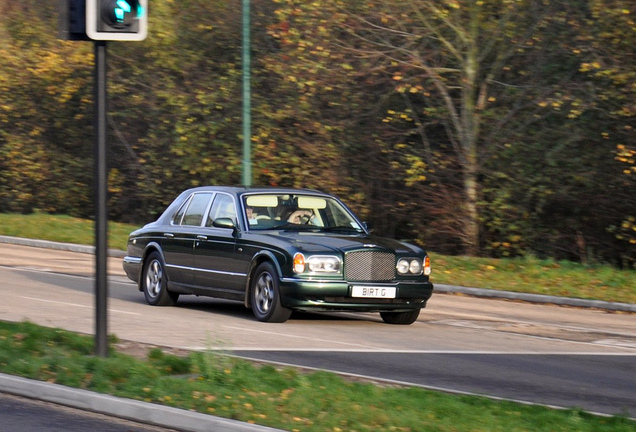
61, 228
284, 398
535, 276
529, 275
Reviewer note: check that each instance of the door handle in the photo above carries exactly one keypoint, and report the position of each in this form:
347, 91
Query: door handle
202, 237
168, 235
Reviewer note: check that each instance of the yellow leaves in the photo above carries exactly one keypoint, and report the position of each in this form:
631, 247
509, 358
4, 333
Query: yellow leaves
393, 115
285, 393
453, 4
626, 156
587, 67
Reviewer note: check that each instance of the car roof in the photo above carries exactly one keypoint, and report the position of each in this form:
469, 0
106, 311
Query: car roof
241, 190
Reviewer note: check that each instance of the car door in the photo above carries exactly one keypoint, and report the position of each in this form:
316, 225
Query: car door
217, 268
179, 239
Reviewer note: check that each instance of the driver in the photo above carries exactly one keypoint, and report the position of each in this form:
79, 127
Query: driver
301, 216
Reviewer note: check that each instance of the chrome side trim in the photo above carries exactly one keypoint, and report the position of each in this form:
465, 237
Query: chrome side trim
206, 270
132, 260
325, 281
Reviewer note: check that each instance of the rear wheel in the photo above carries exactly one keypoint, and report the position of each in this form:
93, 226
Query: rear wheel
265, 296
403, 318
154, 282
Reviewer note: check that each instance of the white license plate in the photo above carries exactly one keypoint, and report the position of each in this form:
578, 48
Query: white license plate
372, 292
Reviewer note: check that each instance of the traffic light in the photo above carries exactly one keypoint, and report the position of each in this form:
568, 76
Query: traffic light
117, 20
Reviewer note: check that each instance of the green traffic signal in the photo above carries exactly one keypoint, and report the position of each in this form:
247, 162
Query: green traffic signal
116, 19
120, 13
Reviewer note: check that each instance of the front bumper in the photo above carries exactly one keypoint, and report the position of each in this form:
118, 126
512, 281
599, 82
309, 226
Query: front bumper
328, 295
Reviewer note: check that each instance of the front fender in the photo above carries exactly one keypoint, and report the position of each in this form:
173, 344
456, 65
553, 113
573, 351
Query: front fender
259, 258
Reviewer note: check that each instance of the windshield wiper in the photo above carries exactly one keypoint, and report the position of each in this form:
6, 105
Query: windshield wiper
289, 226
342, 228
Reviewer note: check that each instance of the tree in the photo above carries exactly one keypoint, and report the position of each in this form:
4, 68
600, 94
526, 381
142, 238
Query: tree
45, 90
458, 59
611, 66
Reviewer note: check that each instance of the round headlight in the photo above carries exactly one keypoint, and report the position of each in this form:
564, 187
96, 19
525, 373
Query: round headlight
403, 266
415, 267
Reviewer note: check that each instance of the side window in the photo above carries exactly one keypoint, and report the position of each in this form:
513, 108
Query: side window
178, 218
196, 209
222, 207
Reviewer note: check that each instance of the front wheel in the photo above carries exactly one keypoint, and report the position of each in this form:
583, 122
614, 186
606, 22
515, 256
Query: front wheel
403, 318
265, 296
154, 282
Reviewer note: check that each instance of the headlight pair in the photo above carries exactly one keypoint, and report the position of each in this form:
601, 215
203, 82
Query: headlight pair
414, 266
316, 264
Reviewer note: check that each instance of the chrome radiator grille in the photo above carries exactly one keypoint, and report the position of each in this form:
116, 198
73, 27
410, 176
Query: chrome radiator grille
369, 266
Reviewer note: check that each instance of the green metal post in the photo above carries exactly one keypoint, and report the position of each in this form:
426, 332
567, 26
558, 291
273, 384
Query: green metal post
247, 108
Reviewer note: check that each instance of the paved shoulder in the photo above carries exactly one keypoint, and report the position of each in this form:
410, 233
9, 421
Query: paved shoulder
439, 288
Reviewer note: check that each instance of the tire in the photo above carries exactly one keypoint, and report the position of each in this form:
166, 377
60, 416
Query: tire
265, 296
401, 318
154, 282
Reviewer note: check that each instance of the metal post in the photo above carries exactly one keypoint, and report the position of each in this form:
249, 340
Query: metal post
247, 108
101, 211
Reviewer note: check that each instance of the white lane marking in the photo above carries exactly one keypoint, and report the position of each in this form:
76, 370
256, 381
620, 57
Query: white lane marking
398, 351
370, 347
76, 305
472, 321
111, 277
609, 342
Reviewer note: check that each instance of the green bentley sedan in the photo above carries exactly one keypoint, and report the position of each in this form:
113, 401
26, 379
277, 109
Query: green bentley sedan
276, 250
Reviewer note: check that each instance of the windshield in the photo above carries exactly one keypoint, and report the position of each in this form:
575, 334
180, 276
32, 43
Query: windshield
297, 212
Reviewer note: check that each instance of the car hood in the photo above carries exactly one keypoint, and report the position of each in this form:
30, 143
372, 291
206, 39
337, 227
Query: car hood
329, 242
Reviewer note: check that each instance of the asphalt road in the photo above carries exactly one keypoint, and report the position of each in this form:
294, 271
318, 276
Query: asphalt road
535, 353
596, 383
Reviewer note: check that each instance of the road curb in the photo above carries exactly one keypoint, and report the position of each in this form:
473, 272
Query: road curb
129, 409
536, 298
70, 247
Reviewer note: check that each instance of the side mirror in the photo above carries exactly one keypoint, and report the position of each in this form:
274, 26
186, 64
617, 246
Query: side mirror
224, 223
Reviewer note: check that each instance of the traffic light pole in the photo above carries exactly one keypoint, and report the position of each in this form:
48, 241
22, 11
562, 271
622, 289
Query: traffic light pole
101, 211
101, 21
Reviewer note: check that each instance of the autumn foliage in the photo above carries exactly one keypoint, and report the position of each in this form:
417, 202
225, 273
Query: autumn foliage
496, 128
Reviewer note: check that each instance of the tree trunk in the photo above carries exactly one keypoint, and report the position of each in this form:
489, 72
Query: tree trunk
470, 121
